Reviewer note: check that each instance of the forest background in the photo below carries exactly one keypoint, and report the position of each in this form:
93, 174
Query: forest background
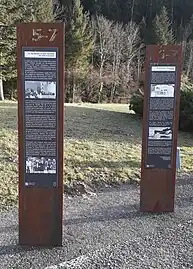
105, 42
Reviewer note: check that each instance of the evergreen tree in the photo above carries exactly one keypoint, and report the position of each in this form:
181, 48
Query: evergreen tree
38, 10
9, 16
13, 12
79, 43
162, 28
79, 38
63, 11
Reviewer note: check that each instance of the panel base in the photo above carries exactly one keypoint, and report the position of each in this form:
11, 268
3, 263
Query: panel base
40, 222
157, 191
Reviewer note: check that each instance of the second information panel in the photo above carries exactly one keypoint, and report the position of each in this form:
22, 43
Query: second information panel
161, 104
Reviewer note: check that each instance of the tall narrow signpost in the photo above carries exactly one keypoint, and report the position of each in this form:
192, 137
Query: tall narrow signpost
40, 65
160, 127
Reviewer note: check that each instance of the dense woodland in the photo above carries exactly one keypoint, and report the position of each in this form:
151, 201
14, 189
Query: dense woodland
105, 41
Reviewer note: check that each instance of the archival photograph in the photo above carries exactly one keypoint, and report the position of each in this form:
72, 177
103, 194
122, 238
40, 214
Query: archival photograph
40, 90
162, 90
35, 165
160, 133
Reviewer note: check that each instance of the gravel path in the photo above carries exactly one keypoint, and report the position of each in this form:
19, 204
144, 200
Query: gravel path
108, 231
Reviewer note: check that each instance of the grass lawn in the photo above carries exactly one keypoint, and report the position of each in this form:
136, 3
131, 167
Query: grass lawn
102, 144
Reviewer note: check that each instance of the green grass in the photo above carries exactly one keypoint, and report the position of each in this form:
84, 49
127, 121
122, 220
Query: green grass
102, 144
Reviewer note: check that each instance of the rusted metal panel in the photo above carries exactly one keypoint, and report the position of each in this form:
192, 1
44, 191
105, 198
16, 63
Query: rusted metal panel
40, 209
157, 191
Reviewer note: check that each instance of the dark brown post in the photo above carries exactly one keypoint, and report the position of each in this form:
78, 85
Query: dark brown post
160, 127
40, 65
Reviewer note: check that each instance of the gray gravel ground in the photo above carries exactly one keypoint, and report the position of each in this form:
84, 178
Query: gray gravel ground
108, 231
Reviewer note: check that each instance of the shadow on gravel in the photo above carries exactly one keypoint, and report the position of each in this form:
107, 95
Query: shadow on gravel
184, 180
117, 187
184, 202
17, 249
184, 197
112, 214
9, 229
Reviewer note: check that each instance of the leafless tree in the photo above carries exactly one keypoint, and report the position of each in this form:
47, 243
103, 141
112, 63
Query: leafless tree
132, 9
187, 32
187, 45
172, 11
118, 55
117, 48
1, 77
103, 28
1, 89
131, 56
188, 59
132, 43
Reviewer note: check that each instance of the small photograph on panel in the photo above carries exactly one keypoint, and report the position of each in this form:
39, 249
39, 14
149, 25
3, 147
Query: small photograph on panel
162, 90
40, 90
160, 133
42, 165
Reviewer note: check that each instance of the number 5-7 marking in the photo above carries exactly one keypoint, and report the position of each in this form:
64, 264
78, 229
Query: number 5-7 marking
37, 34
54, 33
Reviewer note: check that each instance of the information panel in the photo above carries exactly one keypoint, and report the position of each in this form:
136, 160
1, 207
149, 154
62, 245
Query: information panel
160, 127
40, 84
161, 103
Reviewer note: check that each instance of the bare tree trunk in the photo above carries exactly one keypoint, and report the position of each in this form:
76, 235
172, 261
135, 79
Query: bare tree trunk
104, 29
1, 83
190, 61
117, 51
73, 89
114, 73
100, 91
172, 12
1, 90
138, 65
101, 82
113, 93
146, 11
132, 9
150, 10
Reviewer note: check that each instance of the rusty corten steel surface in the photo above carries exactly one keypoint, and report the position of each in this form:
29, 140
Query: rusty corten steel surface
157, 190
40, 209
